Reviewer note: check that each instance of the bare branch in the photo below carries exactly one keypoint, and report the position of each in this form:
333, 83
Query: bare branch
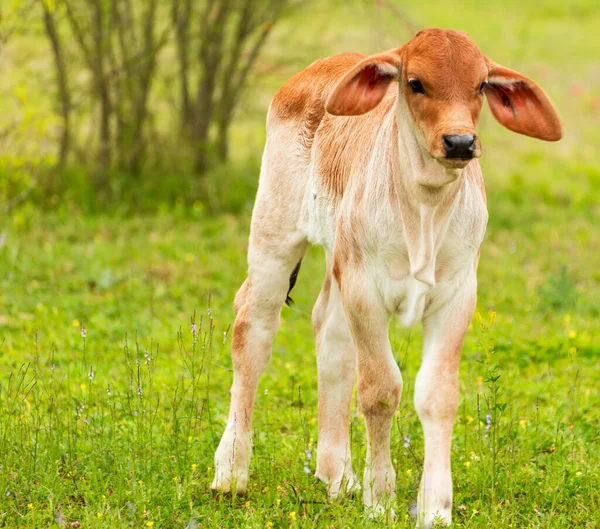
181, 17
64, 92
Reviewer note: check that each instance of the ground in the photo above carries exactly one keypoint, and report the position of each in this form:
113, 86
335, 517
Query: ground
115, 337
117, 425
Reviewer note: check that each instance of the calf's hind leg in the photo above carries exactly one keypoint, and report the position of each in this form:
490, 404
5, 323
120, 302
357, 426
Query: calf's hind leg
336, 360
258, 306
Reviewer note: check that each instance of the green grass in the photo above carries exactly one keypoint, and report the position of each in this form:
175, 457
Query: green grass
143, 453
119, 429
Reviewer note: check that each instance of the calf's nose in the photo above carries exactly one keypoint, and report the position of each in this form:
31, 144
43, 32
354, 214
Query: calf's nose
459, 146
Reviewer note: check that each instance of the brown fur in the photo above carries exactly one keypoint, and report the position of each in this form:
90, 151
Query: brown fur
300, 101
452, 105
336, 270
240, 332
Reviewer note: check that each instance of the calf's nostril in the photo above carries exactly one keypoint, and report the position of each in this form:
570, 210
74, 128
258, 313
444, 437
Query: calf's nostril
448, 145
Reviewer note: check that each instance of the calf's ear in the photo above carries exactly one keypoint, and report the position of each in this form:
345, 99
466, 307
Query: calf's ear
362, 88
520, 104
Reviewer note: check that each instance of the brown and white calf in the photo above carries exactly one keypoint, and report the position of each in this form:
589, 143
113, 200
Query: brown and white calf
374, 158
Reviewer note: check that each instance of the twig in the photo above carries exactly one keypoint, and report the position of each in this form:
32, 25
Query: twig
412, 26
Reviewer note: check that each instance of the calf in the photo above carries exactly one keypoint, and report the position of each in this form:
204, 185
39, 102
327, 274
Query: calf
375, 159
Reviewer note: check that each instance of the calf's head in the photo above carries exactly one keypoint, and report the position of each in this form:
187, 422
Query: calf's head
443, 78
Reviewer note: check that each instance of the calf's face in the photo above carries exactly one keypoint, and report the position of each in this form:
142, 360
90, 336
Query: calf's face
443, 78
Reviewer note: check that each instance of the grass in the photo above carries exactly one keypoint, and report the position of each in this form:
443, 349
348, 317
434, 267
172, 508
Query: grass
117, 428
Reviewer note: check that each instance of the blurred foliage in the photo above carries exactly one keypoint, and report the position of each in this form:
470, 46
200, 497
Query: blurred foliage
169, 132
94, 113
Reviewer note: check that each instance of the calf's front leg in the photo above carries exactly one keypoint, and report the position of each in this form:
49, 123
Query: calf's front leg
436, 399
379, 385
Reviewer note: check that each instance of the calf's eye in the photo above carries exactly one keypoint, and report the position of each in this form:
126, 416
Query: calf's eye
417, 86
482, 86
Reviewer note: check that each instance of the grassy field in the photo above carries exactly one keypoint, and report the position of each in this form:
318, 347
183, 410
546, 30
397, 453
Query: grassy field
111, 407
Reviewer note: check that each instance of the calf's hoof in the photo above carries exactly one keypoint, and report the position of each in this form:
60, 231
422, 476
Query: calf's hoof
230, 482
347, 485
